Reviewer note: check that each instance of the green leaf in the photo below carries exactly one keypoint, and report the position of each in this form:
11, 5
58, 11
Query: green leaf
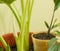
54, 47
56, 25
57, 32
1, 2
1, 49
59, 47
57, 4
52, 41
7, 1
46, 24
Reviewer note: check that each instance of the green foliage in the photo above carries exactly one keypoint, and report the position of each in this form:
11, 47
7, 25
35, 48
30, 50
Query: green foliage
7, 1
56, 32
22, 42
7, 47
23, 21
59, 48
1, 49
57, 4
52, 42
46, 24
54, 25
54, 47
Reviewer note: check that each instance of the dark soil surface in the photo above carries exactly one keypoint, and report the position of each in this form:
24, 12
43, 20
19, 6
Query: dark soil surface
13, 49
43, 36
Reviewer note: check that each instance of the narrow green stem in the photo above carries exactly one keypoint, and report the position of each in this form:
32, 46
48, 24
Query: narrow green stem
27, 25
19, 23
51, 23
26, 40
21, 37
22, 6
22, 33
18, 13
3, 42
18, 45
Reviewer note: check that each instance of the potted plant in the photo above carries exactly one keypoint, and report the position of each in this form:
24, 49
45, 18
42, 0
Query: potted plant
22, 41
41, 39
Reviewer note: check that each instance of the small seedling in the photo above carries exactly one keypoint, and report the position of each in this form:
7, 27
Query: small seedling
53, 22
53, 44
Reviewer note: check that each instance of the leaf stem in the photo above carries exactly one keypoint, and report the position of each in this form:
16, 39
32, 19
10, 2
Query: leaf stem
18, 21
51, 23
3, 42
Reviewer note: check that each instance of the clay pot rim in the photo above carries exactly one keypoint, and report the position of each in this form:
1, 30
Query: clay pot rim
40, 39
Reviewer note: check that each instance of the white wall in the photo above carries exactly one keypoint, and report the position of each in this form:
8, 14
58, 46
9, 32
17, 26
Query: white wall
42, 11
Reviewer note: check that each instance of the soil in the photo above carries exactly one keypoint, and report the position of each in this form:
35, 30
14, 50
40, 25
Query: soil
43, 36
14, 49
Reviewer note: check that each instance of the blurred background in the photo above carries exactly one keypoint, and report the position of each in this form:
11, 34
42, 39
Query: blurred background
42, 11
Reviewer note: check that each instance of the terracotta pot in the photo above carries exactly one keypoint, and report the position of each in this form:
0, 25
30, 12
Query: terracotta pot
9, 38
40, 45
30, 38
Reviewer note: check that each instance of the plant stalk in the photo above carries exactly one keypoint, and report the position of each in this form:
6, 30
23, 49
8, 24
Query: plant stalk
51, 23
5, 45
19, 22
3, 42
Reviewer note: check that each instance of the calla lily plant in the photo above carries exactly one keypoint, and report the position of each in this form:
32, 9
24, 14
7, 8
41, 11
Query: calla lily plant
23, 21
